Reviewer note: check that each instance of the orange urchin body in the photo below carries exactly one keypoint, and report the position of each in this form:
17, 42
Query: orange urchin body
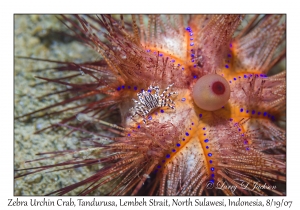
219, 127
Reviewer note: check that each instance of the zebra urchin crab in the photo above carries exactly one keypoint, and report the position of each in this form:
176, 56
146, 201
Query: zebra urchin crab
148, 101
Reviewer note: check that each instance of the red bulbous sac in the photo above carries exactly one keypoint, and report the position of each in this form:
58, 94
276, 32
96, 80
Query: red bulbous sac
211, 92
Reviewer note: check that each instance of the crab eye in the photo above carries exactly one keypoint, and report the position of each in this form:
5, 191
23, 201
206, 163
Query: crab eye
211, 92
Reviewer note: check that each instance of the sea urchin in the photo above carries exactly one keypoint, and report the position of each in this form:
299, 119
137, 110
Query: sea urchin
174, 104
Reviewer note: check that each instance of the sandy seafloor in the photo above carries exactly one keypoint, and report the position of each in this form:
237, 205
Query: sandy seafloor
34, 37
